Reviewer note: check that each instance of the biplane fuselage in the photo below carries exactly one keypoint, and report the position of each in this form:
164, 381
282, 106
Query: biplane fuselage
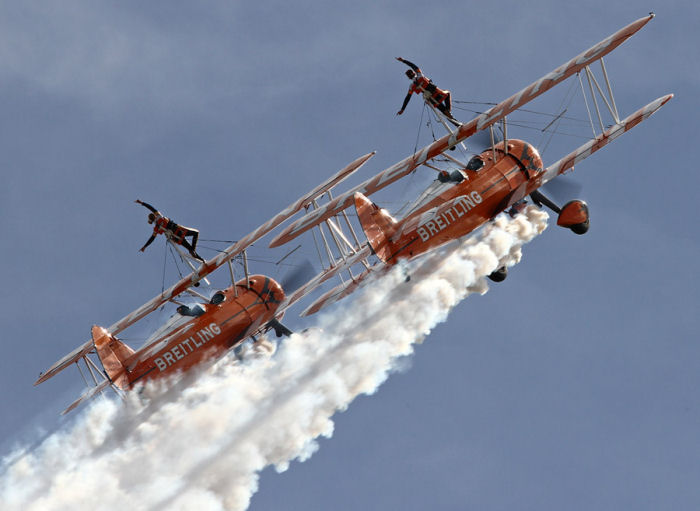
456, 204
206, 331
187, 341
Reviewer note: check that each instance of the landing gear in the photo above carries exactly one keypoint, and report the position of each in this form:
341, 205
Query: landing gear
279, 328
574, 215
499, 275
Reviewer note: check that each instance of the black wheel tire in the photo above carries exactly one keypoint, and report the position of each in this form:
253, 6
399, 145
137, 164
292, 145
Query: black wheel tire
499, 275
580, 228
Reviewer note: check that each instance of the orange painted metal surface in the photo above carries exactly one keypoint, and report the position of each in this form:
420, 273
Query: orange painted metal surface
188, 341
483, 121
574, 213
456, 207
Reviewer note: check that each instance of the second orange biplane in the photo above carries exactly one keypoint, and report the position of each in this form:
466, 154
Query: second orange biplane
466, 196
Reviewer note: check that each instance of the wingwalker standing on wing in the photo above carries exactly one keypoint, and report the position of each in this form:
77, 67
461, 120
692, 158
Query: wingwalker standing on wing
421, 84
174, 232
468, 195
214, 325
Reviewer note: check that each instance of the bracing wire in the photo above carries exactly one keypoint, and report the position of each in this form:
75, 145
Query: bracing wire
565, 103
165, 263
177, 266
420, 125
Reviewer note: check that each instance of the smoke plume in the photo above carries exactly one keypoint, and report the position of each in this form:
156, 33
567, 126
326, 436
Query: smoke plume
201, 442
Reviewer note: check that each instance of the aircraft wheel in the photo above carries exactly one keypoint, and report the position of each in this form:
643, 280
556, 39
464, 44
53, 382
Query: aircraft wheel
581, 228
499, 275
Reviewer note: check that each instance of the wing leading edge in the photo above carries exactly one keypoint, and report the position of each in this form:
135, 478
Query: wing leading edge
209, 266
488, 118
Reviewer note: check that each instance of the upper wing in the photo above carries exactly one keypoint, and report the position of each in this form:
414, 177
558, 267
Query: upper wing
209, 266
488, 118
238, 247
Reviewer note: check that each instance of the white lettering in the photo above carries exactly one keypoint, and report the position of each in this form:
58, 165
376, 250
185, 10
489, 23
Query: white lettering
207, 333
439, 222
180, 351
431, 227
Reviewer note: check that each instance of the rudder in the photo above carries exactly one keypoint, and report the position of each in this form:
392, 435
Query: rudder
378, 224
113, 354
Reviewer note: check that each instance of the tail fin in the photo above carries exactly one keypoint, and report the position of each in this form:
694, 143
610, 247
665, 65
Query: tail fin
113, 354
378, 224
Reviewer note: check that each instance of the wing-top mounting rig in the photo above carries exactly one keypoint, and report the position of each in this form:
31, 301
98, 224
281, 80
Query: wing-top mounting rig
206, 330
492, 182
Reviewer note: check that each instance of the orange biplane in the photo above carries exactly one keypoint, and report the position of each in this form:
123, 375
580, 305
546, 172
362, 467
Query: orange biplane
203, 331
465, 196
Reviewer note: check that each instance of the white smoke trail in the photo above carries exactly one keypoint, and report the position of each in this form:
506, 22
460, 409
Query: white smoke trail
201, 444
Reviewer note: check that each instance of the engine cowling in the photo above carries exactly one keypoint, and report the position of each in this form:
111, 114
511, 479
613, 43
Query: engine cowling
574, 215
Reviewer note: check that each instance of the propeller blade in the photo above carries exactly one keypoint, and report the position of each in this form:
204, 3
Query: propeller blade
298, 276
563, 188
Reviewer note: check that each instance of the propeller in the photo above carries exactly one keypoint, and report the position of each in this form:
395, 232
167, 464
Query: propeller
297, 276
563, 188
480, 141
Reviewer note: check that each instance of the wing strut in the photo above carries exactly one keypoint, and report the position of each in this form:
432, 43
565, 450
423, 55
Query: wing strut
209, 266
577, 155
483, 121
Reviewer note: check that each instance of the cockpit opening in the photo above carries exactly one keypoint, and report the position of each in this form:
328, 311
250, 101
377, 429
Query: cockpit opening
452, 177
193, 311
217, 298
475, 163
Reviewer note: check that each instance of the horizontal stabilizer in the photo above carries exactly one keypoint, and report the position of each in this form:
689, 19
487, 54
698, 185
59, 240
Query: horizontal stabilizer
603, 139
113, 354
483, 121
379, 226
87, 395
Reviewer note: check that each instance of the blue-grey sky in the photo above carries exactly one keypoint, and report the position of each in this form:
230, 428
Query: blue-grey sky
572, 385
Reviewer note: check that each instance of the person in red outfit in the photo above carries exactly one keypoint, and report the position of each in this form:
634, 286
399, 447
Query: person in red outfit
421, 84
173, 231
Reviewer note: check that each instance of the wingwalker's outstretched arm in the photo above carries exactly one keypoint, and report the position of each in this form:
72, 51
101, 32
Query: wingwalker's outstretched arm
151, 218
146, 205
150, 240
409, 64
411, 77
405, 102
